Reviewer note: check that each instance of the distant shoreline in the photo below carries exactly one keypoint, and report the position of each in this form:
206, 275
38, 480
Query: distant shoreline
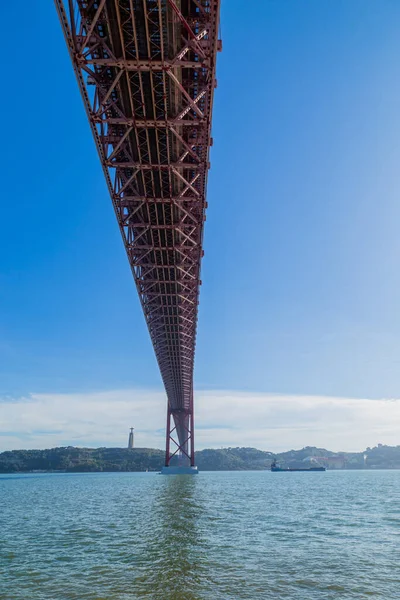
110, 460
158, 471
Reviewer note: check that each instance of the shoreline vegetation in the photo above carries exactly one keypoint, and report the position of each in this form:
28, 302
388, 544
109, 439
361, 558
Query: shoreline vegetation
91, 460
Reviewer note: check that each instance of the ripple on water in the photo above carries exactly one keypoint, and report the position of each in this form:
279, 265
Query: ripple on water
217, 536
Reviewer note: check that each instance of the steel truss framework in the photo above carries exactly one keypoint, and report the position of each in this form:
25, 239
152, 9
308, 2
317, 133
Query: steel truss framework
146, 71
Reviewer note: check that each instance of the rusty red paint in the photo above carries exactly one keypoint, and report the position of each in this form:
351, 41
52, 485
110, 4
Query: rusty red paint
148, 94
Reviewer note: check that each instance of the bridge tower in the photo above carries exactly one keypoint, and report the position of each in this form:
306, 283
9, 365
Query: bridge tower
146, 70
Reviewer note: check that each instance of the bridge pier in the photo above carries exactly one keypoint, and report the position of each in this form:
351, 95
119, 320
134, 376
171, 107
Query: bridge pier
180, 431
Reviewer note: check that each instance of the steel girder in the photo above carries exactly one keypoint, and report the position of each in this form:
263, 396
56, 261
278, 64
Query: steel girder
146, 71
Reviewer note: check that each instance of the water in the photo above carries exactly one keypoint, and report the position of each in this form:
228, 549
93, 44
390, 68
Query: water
215, 536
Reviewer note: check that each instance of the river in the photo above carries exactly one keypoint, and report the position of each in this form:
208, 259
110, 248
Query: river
215, 536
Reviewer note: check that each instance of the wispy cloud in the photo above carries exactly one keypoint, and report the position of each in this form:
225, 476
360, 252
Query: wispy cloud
223, 418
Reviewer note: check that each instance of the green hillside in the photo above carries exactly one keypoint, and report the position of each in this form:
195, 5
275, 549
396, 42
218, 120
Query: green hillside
72, 459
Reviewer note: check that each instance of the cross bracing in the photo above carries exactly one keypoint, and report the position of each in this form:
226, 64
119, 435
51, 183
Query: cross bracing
146, 71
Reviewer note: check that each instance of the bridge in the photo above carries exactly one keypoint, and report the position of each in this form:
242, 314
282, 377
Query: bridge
146, 70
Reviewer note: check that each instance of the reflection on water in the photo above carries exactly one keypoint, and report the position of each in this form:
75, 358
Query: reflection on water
215, 536
174, 558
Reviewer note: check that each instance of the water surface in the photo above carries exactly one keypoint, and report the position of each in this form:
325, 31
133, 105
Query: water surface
217, 536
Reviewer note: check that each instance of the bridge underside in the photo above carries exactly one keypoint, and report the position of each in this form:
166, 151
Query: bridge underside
146, 71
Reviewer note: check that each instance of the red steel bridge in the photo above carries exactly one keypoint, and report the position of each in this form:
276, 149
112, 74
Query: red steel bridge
146, 72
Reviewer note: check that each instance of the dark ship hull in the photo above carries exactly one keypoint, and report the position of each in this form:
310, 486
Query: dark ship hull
280, 470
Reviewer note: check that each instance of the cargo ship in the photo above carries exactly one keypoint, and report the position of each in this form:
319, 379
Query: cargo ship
276, 469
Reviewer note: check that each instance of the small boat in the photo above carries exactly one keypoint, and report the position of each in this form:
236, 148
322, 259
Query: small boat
276, 469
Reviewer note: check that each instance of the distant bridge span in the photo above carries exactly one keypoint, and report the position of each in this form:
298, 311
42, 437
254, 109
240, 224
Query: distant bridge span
146, 72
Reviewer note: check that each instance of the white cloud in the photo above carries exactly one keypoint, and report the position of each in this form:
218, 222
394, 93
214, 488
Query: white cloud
223, 418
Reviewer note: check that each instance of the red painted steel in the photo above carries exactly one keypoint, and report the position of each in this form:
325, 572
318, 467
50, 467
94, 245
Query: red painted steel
146, 71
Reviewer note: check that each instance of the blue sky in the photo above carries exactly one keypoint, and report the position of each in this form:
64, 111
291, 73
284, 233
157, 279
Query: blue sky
301, 285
